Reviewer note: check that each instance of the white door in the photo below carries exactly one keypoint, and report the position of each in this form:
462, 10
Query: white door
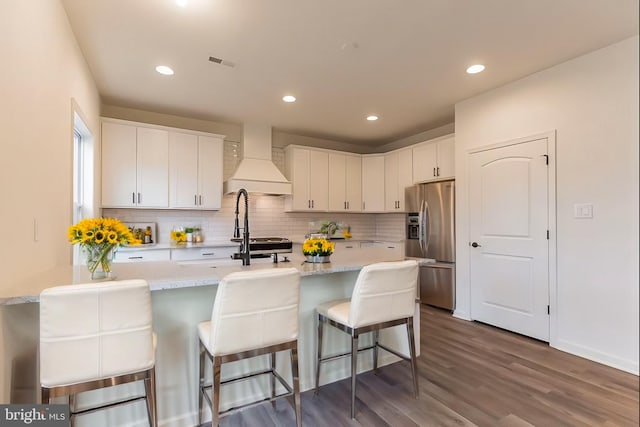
509, 262
210, 172
337, 185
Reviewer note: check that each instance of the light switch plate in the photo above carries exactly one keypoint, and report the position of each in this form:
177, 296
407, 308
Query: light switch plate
583, 210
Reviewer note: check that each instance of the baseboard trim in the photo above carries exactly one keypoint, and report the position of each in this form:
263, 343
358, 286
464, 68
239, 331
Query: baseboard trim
613, 361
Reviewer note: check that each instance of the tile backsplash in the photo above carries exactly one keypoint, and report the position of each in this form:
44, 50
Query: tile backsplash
266, 218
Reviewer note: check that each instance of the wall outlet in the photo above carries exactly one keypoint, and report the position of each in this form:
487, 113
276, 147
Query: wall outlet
583, 210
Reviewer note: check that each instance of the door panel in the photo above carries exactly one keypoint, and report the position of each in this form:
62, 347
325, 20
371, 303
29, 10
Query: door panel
509, 267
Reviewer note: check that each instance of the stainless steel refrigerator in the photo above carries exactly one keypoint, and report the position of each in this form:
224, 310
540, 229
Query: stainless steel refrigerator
430, 228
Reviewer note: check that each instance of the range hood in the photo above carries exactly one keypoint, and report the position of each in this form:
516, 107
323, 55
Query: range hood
256, 172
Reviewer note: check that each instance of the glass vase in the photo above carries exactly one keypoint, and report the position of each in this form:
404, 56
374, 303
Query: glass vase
99, 259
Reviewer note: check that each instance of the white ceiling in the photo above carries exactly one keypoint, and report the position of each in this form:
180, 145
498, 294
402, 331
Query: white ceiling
403, 60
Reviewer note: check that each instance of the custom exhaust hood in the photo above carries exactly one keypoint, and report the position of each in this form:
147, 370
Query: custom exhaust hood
256, 172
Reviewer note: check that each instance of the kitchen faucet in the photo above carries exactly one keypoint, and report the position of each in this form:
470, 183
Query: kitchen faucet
244, 248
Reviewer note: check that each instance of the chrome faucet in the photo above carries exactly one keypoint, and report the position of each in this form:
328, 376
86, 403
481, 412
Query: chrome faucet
244, 248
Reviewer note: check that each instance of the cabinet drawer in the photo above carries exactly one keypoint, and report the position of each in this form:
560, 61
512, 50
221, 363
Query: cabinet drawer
142, 255
194, 254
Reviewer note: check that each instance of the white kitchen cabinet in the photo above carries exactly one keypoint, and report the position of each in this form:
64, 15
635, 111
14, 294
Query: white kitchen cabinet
345, 182
373, 183
398, 175
142, 255
308, 171
195, 171
434, 160
135, 163
196, 254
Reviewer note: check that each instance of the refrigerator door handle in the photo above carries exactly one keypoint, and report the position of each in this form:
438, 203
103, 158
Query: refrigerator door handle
421, 228
427, 233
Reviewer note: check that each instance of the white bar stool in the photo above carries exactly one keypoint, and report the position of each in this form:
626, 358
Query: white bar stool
384, 296
254, 313
97, 335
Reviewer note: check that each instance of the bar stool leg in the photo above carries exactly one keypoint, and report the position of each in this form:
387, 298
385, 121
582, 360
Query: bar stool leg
375, 351
272, 359
318, 363
201, 390
44, 394
412, 353
296, 384
150, 392
215, 407
354, 370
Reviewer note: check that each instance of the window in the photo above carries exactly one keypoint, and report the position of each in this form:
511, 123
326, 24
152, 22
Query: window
83, 200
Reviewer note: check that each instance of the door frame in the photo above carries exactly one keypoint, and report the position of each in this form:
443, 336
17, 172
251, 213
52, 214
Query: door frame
551, 218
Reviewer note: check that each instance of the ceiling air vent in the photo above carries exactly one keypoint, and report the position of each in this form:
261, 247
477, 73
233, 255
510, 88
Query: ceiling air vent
221, 61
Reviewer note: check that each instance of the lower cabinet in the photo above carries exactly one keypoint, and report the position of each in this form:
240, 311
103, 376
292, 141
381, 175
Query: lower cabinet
143, 255
196, 254
176, 254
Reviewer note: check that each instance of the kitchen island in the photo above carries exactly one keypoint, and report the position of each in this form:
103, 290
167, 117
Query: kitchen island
182, 296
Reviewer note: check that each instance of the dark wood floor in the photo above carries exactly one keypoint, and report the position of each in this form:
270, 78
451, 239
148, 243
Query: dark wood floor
470, 375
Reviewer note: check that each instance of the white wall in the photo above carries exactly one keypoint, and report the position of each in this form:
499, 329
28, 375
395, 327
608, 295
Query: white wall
592, 103
42, 70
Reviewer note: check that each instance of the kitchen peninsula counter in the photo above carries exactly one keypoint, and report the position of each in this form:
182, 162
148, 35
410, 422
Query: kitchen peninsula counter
172, 275
182, 296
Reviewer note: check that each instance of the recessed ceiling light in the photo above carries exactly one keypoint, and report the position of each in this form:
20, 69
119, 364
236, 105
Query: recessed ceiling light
372, 118
163, 69
181, 3
474, 69
289, 98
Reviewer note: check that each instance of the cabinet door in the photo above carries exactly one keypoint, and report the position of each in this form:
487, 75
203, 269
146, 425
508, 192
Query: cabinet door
337, 182
209, 172
183, 170
405, 175
319, 180
446, 158
353, 178
424, 162
152, 168
298, 174
118, 165
391, 182
373, 184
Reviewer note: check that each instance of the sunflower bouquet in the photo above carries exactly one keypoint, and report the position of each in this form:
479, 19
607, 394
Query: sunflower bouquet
98, 238
317, 250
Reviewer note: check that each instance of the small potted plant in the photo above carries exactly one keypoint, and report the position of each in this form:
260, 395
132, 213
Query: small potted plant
318, 250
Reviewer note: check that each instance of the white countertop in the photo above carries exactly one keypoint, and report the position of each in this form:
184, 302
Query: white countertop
173, 275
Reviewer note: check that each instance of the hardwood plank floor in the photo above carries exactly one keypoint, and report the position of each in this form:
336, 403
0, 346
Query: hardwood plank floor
470, 375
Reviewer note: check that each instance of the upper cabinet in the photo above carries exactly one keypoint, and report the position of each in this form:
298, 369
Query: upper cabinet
345, 182
308, 171
195, 171
434, 161
398, 175
147, 166
373, 183
135, 163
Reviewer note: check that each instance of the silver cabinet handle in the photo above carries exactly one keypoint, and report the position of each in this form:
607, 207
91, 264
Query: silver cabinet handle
312, 203
438, 170
133, 197
200, 200
208, 254
309, 204
195, 199
139, 198
136, 257
347, 205
434, 172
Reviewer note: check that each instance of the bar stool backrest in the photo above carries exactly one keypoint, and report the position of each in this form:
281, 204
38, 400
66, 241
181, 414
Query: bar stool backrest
383, 292
94, 331
255, 309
